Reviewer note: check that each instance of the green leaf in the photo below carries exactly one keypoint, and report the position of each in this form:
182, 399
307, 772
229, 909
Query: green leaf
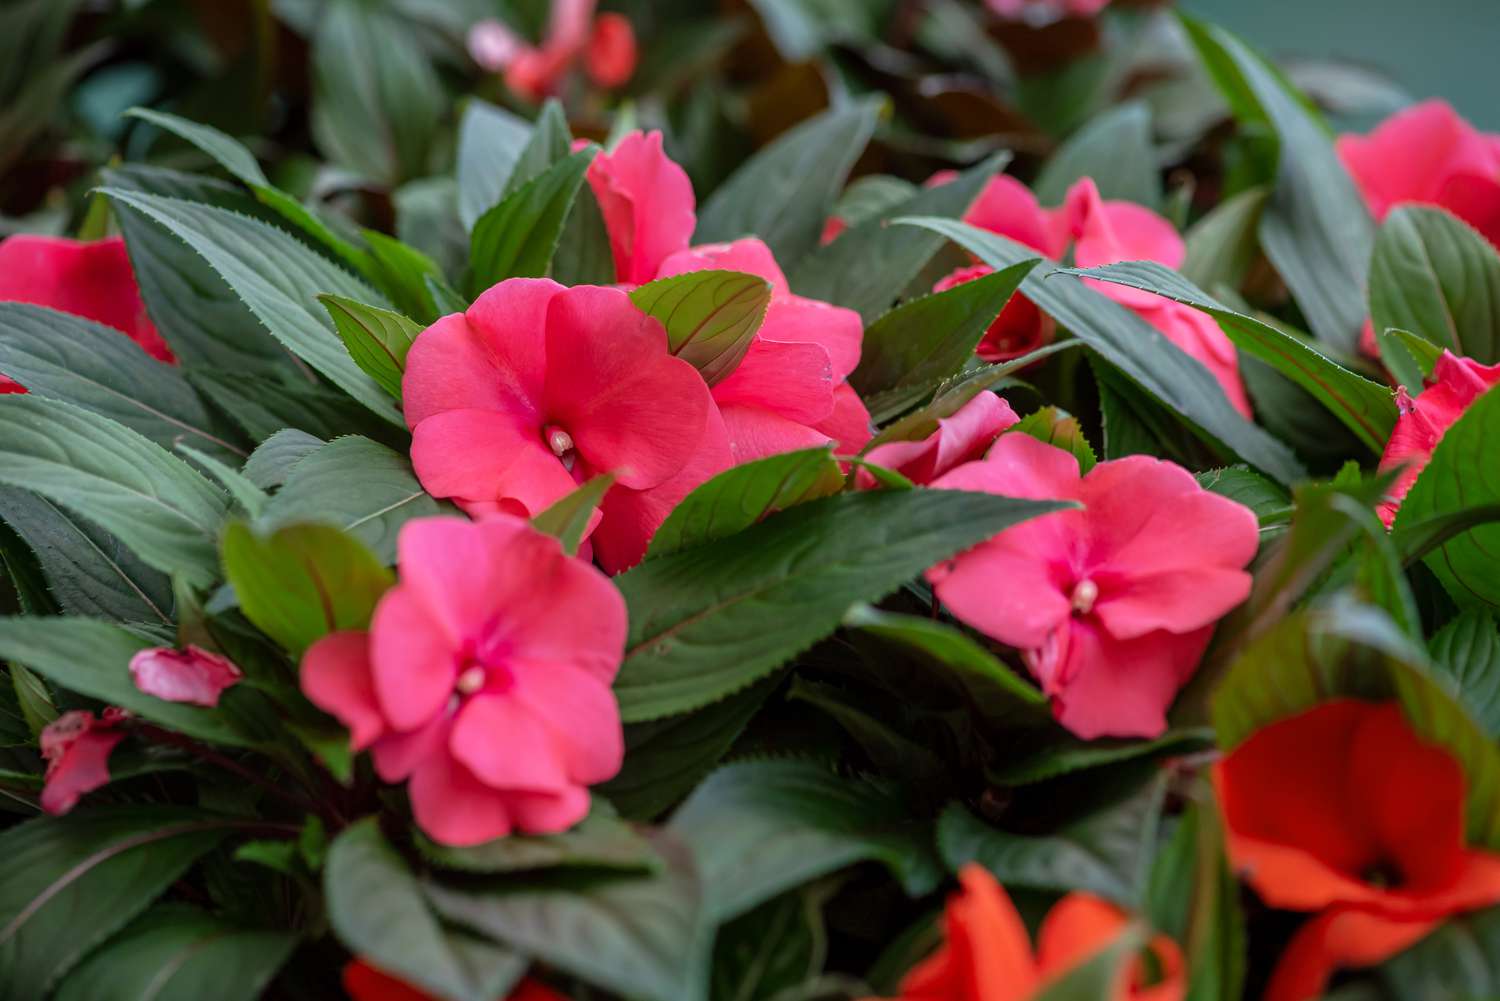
263, 405
783, 193
403, 273
870, 197
1061, 429
743, 495
273, 460
599, 841
1366, 408
1434, 276
517, 238
1107, 852
88, 571
710, 316
279, 278
772, 950
247, 496
758, 828
869, 264
1069, 755
1462, 474
376, 117
549, 143
584, 255
1423, 352
1458, 961
152, 501
377, 909
1115, 150
71, 882
174, 953
638, 936
490, 140
1315, 228
709, 621
1098, 977
377, 339
1468, 649
665, 758
92, 658
303, 581
1247, 487
1352, 650
356, 485
1134, 347
926, 339
1222, 245
568, 517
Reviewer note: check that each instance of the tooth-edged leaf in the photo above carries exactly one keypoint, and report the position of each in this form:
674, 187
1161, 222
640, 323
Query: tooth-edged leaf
1468, 649
1433, 275
93, 658
517, 238
262, 406
927, 339
1060, 429
743, 495
600, 840
271, 463
783, 193
665, 758
377, 339
490, 140
1344, 649
279, 278
1222, 245
1366, 408
155, 503
73, 881
1115, 150
710, 316
1315, 228
1423, 353
377, 909
402, 272
249, 497
1245, 486
1136, 348
356, 485
87, 570
758, 828
177, 953
568, 517
868, 265
302, 582
639, 936
709, 621
549, 142
1462, 474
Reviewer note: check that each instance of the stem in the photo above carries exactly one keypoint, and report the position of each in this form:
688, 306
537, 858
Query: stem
232, 766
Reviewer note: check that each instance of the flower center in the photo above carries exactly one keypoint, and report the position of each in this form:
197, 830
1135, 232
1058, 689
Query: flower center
1384, 874
470, 680
1085, 593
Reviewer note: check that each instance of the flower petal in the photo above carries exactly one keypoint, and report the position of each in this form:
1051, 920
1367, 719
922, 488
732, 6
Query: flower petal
336, 677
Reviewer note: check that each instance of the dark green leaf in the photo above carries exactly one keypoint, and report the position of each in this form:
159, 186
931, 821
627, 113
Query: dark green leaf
1468, 649
584, 255
1115, 150
273, 460
783, 193
599, 841
1247, 487
710, 316
1459, 961
403, 273
1071, 755
771, 950
709, 621
1222, 245
517, 238
377, 339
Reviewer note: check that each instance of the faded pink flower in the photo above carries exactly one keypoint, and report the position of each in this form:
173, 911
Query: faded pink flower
963, 437
484, 680
1426, 153
537, 388
606, 45
1111, 605
76, 747
193, 675
1454, 384
1045, 11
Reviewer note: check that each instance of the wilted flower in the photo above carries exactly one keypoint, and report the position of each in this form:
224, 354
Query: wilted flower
191, 675
76, 747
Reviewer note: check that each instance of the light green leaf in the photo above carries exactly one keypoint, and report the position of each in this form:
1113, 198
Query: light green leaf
568, 517
710, 316
1222, 245
272, 461
549, 142
517, 238
1059, 428
1468, 649
377, 339
490, 140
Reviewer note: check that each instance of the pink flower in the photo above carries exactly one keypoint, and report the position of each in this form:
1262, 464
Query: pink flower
193, 675
606, 45
537, 388
1426, 153
484, 679
963, 437
1454, 384
1046, 11
790, 389
648, 205
76, 747
1020, 328
91, 280
1111, 605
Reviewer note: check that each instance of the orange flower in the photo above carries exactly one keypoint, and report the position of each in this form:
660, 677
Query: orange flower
1343, 810
988, 954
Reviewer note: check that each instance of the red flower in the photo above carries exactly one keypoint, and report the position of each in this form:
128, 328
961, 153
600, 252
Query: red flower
1454, 384
1344, 811
987, 955
76, 747
91, 280
365, 982
192, 675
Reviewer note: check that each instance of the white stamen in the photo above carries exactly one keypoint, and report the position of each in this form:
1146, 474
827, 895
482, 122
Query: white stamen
471, 681
1085, 593
560, 442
